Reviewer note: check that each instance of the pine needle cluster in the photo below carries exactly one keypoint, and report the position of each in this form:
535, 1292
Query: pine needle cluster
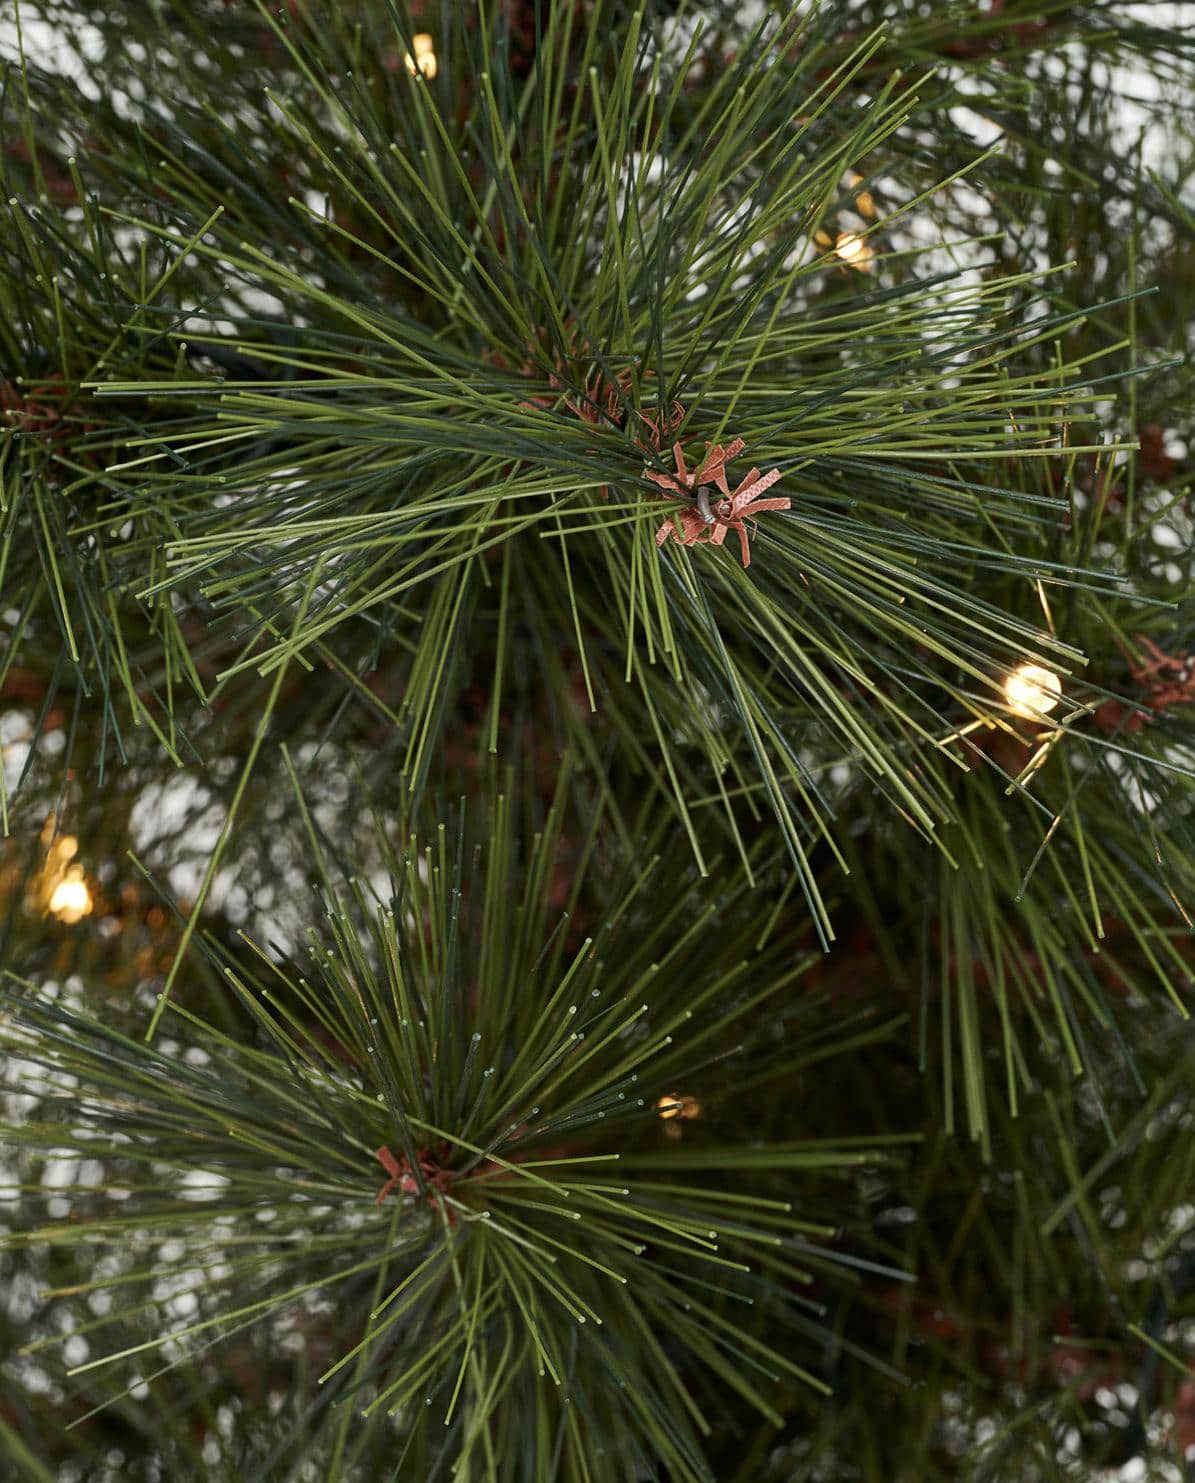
596, 685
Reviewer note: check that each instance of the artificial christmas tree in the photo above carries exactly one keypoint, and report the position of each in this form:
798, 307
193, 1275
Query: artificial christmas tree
597, 740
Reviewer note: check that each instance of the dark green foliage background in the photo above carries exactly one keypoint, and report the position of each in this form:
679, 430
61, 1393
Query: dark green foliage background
340, 642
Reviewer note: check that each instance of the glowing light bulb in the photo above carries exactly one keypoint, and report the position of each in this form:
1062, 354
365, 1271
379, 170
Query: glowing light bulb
1031, 691
676, 1105
864, 200
423, 58
70, 900
852, 249
60, 886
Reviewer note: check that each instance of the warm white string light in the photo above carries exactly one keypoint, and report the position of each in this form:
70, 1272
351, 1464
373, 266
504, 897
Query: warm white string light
854, 251
1031, 691
864, 200
70, 900
423, 58
61, 886
678, 1105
